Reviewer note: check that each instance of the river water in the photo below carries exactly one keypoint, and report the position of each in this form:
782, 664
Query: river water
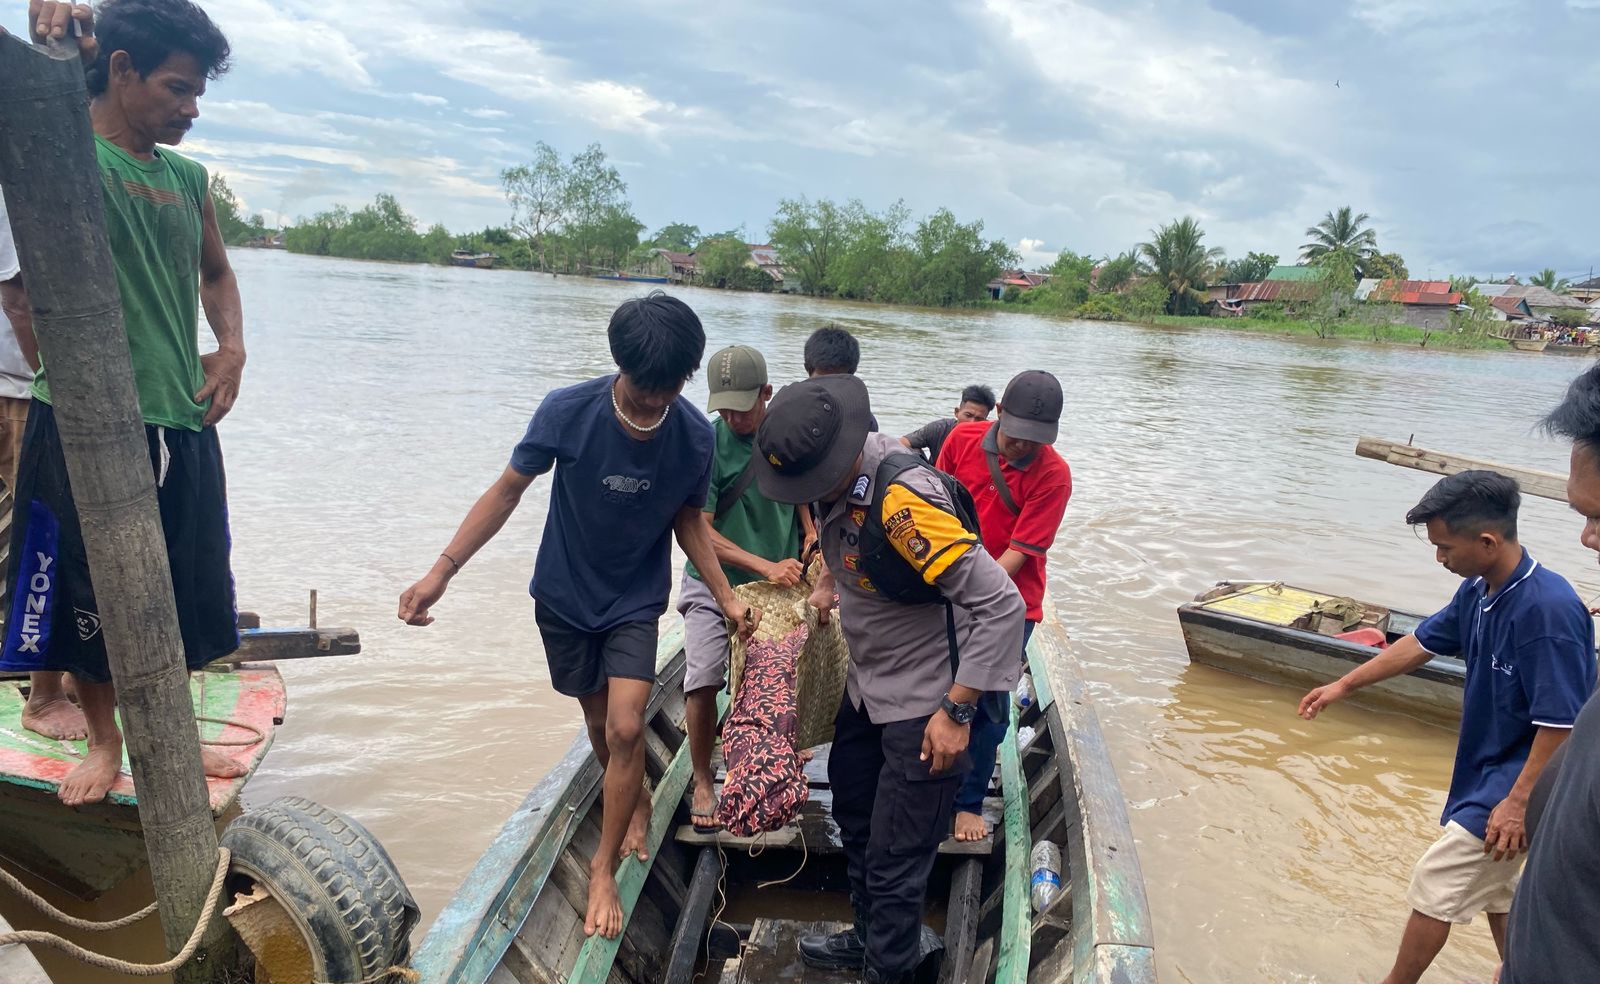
380, 399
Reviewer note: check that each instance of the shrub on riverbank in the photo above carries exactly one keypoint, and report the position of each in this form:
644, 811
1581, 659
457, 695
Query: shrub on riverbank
1359, 330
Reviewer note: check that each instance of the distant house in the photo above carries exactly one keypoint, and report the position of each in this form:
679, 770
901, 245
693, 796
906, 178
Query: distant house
1423, 303
1542, 300
1020, 279
681, 267
1587, 291
1594, 313
1236, 299
1509, 309
764, 257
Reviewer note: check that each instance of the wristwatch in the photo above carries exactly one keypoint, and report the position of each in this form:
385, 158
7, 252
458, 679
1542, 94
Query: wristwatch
959, 713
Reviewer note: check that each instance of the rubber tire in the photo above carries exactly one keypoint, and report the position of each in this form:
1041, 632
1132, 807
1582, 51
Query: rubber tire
334, 878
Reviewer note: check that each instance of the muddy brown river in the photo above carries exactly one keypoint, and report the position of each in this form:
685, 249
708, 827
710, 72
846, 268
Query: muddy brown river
380, 399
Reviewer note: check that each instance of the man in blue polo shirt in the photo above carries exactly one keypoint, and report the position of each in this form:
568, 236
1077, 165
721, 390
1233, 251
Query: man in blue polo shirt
1528, 643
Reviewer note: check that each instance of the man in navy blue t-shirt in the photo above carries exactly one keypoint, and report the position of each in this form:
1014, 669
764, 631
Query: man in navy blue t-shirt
1528, 643
632, 459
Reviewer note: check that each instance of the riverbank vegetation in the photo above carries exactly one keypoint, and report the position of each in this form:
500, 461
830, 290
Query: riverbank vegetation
573, 215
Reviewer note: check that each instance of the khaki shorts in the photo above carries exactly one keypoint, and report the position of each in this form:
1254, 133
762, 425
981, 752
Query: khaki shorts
13, 420
705, 636
1454, 880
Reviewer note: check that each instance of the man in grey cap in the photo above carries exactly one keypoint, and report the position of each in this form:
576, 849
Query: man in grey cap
755, 539
932, 622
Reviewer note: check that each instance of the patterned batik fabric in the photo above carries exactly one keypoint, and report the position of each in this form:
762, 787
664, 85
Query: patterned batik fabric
766, 783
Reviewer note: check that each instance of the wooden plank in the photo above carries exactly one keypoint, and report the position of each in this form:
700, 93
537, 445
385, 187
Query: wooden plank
814, 827
961, 922
1012, 964
772, 955
269, 645
687, 935
598, 954
1544, 484
1104, 877
476, 926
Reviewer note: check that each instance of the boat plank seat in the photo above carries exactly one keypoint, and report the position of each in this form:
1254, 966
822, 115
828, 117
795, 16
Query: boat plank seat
773, 954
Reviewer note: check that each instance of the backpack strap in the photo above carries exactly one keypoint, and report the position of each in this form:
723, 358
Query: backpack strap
738, 489
999, 479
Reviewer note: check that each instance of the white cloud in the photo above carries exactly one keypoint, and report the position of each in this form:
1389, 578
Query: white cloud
428, 100
277, 41
1034, 255
484, 113
262, 118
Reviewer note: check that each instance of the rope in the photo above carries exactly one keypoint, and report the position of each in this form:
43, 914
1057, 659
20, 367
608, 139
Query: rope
44, 906
234, 742
32, 937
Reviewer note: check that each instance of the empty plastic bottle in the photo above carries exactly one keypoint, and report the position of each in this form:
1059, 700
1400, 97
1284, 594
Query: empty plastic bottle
1046, 860
1025, 691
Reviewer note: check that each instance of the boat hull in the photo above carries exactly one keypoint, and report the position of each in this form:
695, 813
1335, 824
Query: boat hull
630, 279
517, 918
1303, 659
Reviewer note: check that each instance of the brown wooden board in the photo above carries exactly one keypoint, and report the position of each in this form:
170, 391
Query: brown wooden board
961, 921
773, 955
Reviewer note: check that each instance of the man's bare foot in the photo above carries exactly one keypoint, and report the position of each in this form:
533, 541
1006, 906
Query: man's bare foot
90, 780
605, 908
970, 827
57, 718
637, 840
218, 765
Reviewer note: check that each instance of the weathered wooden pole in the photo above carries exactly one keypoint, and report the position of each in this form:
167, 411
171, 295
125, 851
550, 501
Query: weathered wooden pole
1532, 481
52, 189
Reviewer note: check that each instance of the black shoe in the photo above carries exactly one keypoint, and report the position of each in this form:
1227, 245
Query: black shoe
836, 951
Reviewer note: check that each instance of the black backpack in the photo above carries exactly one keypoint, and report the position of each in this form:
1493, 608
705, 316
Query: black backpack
889, 572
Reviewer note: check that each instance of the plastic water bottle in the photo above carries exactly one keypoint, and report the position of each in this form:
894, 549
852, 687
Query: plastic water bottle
1024, 736
1025, 691
1046, 860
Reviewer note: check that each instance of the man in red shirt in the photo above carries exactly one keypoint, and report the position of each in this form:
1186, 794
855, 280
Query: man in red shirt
1021, 487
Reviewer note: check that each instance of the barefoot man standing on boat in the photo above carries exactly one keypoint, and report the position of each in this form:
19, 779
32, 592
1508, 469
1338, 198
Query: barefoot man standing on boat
932, 624
1020, 486
1528, 643
755, 539
632, 460
147, 63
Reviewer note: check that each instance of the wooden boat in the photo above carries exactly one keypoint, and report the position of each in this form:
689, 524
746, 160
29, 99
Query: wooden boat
632, 278
1282, 634
467, 258
1524, 344
1573, 348
518, 917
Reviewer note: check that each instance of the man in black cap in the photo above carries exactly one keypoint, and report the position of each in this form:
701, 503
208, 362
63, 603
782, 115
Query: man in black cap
932, 621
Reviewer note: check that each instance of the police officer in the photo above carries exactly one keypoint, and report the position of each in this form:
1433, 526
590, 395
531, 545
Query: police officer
932, 621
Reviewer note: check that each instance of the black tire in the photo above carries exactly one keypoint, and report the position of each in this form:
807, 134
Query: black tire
334, 878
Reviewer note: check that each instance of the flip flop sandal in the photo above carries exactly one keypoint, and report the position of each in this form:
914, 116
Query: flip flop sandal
706, 823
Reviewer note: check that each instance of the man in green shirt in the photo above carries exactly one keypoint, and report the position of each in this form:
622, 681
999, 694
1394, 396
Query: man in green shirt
147, 66
755, 539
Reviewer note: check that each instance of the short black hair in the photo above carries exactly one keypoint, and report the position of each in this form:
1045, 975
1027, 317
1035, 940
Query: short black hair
1577, 418
1471, 502
657, 340
832, 348
151, 31
980, 394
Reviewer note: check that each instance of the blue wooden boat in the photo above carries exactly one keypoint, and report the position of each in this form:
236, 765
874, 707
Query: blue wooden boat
518, 917
632, 278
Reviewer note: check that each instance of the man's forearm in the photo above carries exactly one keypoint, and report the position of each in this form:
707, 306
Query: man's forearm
1402, 657
732, 554
1011, 561
14, 306
486, 518
219, 295
1545, 743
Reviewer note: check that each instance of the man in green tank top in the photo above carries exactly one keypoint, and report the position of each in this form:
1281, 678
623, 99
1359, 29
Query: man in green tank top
147, 66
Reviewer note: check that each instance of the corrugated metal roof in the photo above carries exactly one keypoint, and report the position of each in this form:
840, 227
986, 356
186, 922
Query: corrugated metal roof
1275, 290
1512, 305
1428, 292
1295, 273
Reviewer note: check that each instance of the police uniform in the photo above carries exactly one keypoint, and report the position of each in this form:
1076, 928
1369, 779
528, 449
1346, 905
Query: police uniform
892, 809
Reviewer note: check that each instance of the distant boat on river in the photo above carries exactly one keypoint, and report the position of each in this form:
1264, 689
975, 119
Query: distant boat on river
467, 258
631, 278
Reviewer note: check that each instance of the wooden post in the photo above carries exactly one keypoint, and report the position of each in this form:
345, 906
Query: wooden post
52, 187
1545, 485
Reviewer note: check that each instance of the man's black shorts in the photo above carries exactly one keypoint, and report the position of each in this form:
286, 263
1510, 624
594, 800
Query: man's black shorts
53, 622
581, 662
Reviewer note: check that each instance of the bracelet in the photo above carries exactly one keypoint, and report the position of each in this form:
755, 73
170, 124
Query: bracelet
451, 559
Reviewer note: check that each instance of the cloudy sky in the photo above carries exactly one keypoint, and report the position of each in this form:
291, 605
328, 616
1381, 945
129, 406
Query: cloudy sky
1467, 128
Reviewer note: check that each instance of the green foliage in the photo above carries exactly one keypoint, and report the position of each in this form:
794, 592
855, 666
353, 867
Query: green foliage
236, 230
382, 230
1250, 269
1119, 271
678, 236
1011, 293
1547, 279
1068, 286
1179, 260
810, 238
1385, 266
1340, 241
724, 261
1463, 284
950, 262
573, 214
871, 266
1570, 317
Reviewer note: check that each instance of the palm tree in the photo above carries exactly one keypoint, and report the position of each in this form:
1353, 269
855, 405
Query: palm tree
1547, 279
1179, 259
1340, 241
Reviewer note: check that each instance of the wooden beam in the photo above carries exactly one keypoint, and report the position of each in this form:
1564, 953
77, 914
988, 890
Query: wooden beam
1544, 484
272, 645
1016, 917
688, 934
961, 922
